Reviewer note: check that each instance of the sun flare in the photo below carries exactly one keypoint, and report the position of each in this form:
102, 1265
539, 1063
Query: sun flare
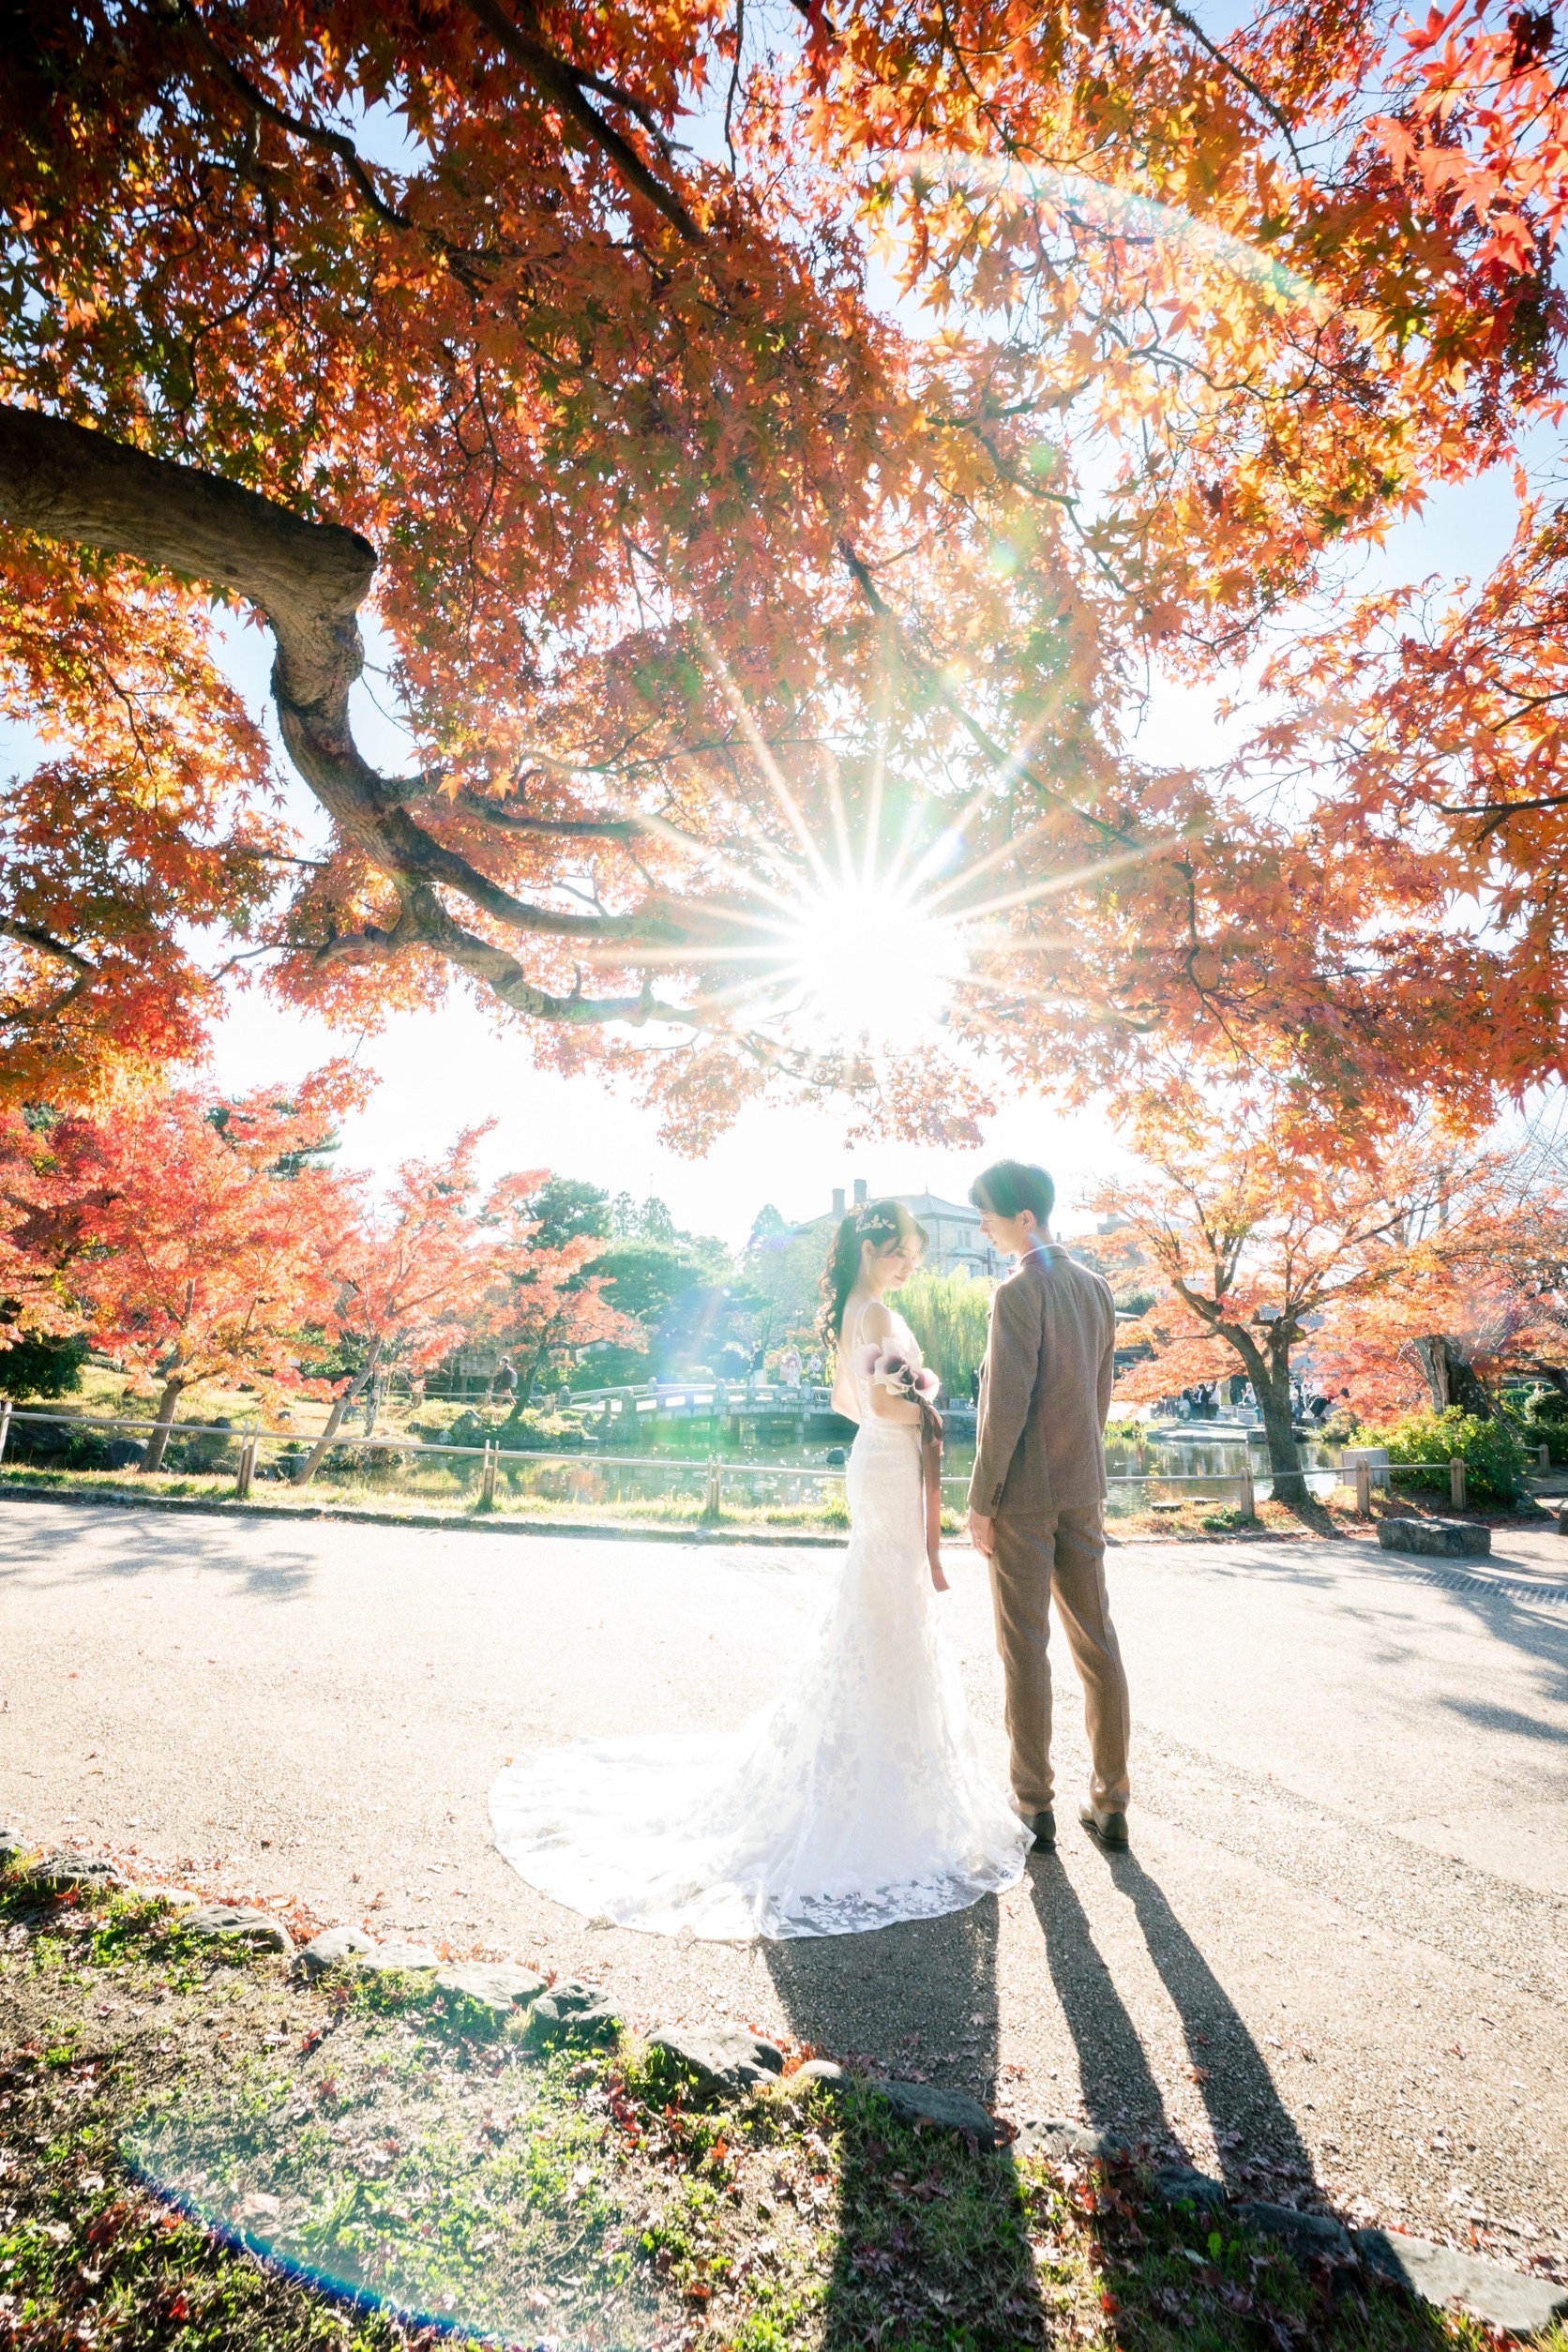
868, 962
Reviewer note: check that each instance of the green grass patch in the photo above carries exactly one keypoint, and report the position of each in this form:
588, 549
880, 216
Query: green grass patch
198, 2152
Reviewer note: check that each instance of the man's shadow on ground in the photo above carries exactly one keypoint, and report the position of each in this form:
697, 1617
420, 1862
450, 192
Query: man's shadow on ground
920, 2001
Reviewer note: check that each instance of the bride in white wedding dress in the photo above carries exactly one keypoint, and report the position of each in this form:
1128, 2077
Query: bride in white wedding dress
857, 1798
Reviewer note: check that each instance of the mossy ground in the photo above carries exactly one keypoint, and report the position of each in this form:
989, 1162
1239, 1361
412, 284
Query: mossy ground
198, 2152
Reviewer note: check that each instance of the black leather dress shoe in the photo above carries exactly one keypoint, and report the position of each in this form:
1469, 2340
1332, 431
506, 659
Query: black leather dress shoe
1044, 1827
1109, 1828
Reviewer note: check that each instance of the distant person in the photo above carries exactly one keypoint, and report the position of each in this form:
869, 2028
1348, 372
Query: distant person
1036, 1496
790, 1367
503, 1385
974, 1386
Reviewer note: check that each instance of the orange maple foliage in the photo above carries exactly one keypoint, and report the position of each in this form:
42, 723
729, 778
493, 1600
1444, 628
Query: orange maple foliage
690, 555
1257, 1234
199, 1226
404, 1275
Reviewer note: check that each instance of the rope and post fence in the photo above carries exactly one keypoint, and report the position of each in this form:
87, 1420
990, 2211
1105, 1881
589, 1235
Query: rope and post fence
717, 1477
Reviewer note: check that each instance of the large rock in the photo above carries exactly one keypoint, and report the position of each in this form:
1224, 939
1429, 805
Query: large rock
574, 2012
1178, 2185
120, 1453
13, 1846
1304, 2234
1449, 1539
1048, 2135
496, 1986
942, 2111
62, 1873
723, 2060
395, 1958
335, 1948
226, 1922
1509, 2299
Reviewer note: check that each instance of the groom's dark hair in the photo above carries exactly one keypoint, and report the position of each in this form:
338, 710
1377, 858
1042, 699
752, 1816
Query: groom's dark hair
1011, 1187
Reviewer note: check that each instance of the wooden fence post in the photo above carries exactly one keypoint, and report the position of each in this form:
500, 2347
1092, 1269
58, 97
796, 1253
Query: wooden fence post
247, 1470
711, 1508
1249, 1491
1456, 1483
1543, 1453
5, 1425
487, 1476
1363, 1489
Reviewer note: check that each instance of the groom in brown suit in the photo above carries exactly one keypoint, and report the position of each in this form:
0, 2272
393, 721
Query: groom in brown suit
1037, 1494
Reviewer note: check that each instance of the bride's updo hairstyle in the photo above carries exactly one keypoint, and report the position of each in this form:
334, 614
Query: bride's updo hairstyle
883, 1223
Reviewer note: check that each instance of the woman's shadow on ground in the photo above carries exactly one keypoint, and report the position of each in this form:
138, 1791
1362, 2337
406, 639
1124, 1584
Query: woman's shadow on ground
918, 2003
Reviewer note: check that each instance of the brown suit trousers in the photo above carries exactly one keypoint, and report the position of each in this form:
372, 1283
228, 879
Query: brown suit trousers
1060, 1552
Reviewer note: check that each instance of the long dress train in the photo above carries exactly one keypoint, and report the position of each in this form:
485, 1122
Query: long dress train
856, 1799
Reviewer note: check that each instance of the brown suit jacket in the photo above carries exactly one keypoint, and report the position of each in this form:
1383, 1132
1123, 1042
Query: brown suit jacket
1045, 1388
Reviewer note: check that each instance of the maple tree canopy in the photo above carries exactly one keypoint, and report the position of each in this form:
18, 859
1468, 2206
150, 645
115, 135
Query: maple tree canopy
701, 566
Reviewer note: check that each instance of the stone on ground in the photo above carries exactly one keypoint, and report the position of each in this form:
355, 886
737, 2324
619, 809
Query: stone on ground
1178, 2184
395, 1958
824, 2073
575, 2011
1450, 1539
62, 1873
723, 2060
335, 1948
1306, 2234
256, 1928
941, 2110
1049, 2135
498, 1986
1512, 2300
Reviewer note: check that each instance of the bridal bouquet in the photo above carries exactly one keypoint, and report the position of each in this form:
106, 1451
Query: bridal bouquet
901, 1373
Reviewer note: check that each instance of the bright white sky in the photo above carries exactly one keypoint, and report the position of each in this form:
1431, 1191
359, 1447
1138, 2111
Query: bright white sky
442, 1071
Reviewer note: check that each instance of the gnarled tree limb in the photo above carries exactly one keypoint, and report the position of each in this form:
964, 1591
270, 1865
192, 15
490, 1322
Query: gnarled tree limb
309, 578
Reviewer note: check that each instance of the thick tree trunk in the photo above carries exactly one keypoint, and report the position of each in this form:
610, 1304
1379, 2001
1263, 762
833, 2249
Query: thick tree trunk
158, 1444
1451, 1379
310, 1463
1280, 1435
1269, 1375
69, 482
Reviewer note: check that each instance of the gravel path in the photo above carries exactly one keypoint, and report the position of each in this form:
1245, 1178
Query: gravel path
1337, 1950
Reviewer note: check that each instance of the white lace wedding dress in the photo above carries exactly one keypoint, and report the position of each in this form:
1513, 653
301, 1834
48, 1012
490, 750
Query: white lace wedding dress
855, 1799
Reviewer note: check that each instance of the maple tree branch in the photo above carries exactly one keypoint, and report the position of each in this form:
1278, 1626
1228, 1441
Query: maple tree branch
28, 935
932, 677
507, 819
424, 922
1178, 15
1497, 812
567, 84
334, 143
64, 482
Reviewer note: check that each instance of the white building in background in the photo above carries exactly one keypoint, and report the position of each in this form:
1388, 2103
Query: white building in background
954, 1239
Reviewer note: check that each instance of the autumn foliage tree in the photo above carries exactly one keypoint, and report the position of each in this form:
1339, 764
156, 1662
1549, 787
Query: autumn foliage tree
405, 1277
199, 1223
1259, 1232
540, 1301
690, 560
